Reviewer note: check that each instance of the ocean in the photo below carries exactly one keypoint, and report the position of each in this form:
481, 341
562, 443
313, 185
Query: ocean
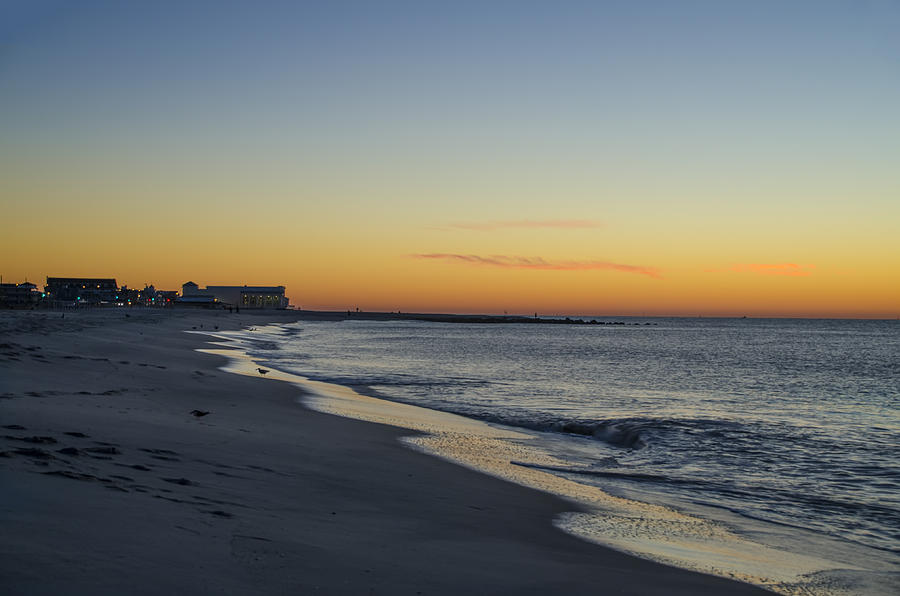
784, 433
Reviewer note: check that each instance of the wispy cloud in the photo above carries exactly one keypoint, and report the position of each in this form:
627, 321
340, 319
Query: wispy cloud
516, 262
781, 269
526, 223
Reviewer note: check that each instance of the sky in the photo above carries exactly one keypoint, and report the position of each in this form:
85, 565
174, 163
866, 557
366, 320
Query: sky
599, 158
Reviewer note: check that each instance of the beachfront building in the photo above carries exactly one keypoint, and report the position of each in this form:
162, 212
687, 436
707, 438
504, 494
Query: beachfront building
21, 295
234, 296
82, 290
192, 295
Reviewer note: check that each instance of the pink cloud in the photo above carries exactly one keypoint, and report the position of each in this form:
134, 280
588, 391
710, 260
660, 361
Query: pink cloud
516, 262
784, 269
528, 223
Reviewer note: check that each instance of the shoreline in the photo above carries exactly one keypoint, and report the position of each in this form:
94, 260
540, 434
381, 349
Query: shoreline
700, 538
433, 317
141, 496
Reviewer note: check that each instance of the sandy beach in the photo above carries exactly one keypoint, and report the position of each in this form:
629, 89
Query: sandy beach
113, 484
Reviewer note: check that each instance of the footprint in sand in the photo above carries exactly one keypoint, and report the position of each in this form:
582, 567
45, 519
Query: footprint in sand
72, 475
104, 450
159, 451
35, 440
139, 467
161, 454
33, 452
219, 513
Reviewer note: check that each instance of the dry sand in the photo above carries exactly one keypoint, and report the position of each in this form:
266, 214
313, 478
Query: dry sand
111, 486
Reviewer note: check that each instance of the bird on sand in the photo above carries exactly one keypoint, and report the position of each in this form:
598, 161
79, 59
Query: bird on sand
262, 371
199, 413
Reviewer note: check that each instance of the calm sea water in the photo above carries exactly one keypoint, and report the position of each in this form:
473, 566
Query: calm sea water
795, 422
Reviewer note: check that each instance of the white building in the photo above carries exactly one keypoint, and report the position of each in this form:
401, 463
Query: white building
236, 296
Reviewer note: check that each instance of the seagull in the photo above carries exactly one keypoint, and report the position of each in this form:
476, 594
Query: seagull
199, 413
262, 371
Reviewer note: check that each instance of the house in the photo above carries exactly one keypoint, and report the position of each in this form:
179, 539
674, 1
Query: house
19, 295
192, 295
82, 290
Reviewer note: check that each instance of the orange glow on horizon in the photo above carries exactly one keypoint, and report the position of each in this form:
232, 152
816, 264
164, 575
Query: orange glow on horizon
340, 277
375, 274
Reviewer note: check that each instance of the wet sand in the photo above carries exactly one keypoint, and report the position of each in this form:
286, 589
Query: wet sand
112, 485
